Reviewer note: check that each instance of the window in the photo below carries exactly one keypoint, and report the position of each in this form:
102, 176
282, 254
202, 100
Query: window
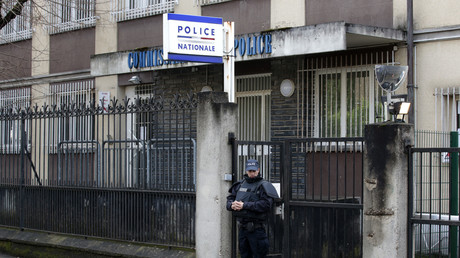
69, 15
74, 127
20, 28
123, 10
447, 109
338, 95
10, 126
254, 99
343, 102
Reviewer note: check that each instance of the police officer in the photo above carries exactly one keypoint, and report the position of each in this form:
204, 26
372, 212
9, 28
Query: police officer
251, 200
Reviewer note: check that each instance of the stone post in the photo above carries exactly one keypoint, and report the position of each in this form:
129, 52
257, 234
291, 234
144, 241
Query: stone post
385, 192
216, 118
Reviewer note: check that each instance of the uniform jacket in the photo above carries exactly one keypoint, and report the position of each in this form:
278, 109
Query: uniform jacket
255, 210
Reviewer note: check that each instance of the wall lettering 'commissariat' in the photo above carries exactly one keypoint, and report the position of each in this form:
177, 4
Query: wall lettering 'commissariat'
243, 46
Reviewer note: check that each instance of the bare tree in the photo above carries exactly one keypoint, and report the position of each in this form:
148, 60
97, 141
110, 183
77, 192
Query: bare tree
12, 13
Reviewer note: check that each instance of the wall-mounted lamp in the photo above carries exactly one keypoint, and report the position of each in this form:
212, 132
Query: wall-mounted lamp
135, 80
287, 87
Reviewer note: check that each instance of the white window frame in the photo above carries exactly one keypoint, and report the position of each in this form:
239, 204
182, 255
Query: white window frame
343, 72
10, 135
61, 23
20, 28
123, 10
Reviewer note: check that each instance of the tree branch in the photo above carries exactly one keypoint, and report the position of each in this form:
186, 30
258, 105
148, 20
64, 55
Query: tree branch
15, 11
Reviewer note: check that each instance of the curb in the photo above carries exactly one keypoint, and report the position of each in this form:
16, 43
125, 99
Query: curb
34, 243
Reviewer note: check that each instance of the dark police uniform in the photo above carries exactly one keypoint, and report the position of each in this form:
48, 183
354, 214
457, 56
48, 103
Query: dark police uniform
257, 196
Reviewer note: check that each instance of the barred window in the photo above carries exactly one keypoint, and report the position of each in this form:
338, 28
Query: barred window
73, 128
339, 95
67, 15
10, 127
447, 109
344, 102
123, 10
254, 106
20, 28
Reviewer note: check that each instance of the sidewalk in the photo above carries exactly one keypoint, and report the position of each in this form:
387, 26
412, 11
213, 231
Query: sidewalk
34, 244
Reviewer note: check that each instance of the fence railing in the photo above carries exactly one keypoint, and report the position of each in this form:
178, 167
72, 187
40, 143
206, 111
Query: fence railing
433, 202
430, 139
433, 195
125, 172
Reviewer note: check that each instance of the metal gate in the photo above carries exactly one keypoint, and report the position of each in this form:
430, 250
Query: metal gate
433, 202
321, 189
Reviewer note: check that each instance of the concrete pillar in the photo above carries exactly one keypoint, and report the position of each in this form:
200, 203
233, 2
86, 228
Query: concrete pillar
188, 7
287, 13
106, 42
216, 118
385, 192
40, 40
106, 28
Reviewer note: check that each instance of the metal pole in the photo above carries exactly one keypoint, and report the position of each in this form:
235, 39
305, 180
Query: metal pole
229, 61
234, 143
286, 195
23, 167
453, 200
410, 59
410, 208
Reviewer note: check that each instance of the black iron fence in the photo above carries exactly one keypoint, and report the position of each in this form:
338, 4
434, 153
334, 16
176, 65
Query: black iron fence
123, 171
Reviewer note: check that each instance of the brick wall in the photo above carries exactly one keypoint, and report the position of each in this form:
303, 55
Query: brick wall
284, 109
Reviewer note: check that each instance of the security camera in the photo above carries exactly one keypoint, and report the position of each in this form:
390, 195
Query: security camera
390, 77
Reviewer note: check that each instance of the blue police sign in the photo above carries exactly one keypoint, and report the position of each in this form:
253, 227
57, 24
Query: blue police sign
192, 38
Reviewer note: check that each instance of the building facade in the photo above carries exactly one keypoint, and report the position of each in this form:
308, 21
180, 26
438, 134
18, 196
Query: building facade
323, 53
304, 69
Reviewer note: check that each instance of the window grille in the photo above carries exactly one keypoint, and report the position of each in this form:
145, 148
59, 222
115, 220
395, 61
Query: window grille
208, 2
339, 95
446, 109
67, 15
75, 127
10, 129
254, 104
20, 28
146, 90
123, 10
